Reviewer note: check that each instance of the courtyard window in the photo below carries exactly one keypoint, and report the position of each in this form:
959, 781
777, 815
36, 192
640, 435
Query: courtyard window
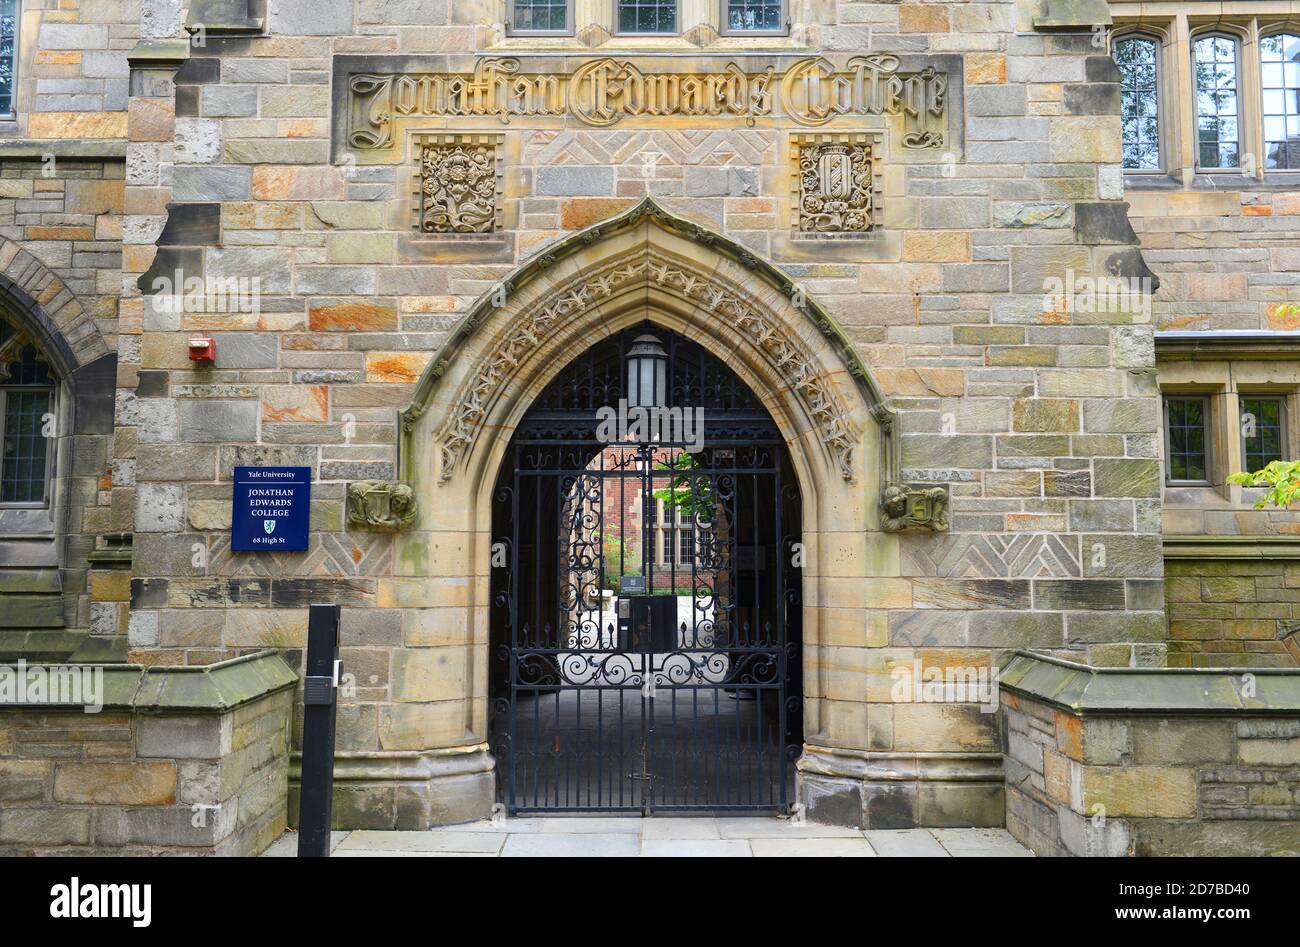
8, 55
1280, 81
26, 400
675, 535
753, 16
1187, 458
1137, 58
647, 16
541, 16
1263, 431
1218, 134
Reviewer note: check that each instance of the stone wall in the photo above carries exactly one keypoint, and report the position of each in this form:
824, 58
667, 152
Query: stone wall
1232, 612
1109, 763
189, 761
61, 208
1042, 420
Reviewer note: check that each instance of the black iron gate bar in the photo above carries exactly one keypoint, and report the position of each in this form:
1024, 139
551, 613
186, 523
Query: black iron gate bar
654, 747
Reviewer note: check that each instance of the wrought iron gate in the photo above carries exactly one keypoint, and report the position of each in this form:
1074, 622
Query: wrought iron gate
646, 605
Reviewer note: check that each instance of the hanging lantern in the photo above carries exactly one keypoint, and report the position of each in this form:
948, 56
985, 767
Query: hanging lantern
647, 373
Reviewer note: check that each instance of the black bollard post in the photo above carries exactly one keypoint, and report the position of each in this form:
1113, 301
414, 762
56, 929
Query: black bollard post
320, 701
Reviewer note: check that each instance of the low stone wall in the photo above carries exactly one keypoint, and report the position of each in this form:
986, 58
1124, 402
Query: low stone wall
191, 760
1136, 761
1232, 612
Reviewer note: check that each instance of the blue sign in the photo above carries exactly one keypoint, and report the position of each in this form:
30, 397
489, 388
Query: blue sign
272, 509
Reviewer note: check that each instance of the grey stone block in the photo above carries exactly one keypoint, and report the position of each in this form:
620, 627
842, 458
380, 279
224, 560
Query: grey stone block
1018, 629
1120, 415
574, 181
336, 280
995, 100
142, 629
1110, 515
219, 421
222, 101
191, 183
255, 70
44, 827
976, 278
198, 140
83, 36
948, 451
159, 508
183, 737
269, 266
1102, 222
105, 64
247, 349
312, 18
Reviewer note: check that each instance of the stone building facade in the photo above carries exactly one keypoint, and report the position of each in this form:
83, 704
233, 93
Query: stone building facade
405, 217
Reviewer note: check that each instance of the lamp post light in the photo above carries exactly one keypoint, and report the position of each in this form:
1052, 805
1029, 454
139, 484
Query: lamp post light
647, 373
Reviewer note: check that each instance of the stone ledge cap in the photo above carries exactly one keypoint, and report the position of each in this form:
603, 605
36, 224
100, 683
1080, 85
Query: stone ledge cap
113, 149
1073, 14
1089, 691
159, 52
208, 688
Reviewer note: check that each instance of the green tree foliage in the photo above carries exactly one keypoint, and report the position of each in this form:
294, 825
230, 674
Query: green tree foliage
1281, 477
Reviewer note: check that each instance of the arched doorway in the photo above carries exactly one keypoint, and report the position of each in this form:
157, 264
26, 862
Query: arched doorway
646, 590
796, 361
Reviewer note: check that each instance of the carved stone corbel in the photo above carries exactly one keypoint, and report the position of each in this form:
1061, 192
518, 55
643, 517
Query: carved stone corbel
903, 506
381, 504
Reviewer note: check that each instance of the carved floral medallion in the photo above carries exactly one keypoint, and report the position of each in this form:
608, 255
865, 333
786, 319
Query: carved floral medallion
459, 185
836, 184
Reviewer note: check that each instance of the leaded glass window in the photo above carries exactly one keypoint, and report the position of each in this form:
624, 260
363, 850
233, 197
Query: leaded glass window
647, 16
1218, 137
1280, 80
540, 16
1186, 439
1263, 431
1136, 57
26, 402
8, 54
753, 16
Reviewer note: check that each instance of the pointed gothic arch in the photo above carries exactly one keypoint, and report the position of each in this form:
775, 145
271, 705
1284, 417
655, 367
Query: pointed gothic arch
650, 258
645, 265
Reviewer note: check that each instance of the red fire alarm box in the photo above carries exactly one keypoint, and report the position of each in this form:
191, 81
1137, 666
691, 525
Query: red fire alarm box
203, 349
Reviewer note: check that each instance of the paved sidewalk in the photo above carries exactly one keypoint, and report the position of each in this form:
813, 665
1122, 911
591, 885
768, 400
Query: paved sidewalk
686, 837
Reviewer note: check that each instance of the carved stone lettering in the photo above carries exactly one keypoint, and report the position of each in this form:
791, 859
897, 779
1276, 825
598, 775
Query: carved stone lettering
605, 92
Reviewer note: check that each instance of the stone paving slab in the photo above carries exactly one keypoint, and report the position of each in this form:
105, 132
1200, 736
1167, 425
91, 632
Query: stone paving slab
906, 843
672, 837
980, 843
431, 841
695, 848
578, 844
811, 848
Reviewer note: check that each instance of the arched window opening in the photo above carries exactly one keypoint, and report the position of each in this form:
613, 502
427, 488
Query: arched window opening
26, 420
1137, 58
1218, 131
1279, 57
